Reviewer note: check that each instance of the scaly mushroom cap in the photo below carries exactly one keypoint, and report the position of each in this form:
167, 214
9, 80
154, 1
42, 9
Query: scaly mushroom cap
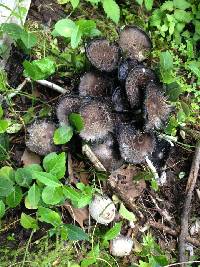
119, 100
67, 105
134, 42
93, 84
108, 153
103, 55
134, 146
102, 209
121, 246
156, 108
125, 66
98, 120
137, 80
40, 138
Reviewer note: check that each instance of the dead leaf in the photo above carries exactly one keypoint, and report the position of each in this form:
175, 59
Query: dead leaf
29, 157
79, 215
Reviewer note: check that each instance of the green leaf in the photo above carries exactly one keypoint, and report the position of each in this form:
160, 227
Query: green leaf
88, 27
15, 197
181, 4
49, 216
194, 66
183, 16
28, 39
140, 2
7, 172
28, 222
91, 257
1, 112
168, 5
52, 196
34, 196
126, 214
47, 179
76, 37
55, 164
65, 27
6, 187
154, 185
112, 10
3, 126
4, 146
166, 61
78, 199
2, 209
75, 232
113, 232
76, 121
39, 69
75, 3
148, 4
63, 135
12, 29
23, 177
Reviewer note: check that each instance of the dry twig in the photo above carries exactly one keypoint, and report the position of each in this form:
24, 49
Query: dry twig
187, 204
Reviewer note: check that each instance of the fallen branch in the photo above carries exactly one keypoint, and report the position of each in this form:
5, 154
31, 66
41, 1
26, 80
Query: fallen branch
172, 232
187, 204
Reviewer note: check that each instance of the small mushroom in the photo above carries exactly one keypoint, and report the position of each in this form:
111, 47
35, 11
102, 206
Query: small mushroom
125, 66
98, 120
137, 80
121, 246
134, 42
102, 209
93, 84
103, 55
156, 108
134, 145
40, 137
107, 153
119, 100
67, 105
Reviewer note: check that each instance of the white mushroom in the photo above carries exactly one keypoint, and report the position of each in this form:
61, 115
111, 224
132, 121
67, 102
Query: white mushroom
102, 209
121, 246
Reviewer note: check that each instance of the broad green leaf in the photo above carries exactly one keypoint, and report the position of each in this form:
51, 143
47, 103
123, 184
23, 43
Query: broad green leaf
148, 4
28, 39
15, 197
112, 10
49, 216
2, 209
65, 27
126, 214
76, 121
78, 199
34, 196
23, 177
28, 222
12, 29
33, 167
166, 61
63, 135
3, 126
74, 3
75, 232
76, 37
7, 172
88, 27
47, 179
113, 232
168, 5
194, 66
55, 164
183, 16
140, 2
181, 4
52, 196
6, 186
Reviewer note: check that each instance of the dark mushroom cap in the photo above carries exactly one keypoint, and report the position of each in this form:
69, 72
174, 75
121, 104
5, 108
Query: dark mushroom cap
124, 68
119, 100
137, 80
103, 55
98, 120
40, 137
134, 42
93, 84
156, 108
67, 105
135, 146
108, 154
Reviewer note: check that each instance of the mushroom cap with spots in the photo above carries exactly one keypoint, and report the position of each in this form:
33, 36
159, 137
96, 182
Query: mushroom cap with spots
102, 209
134, 42
40, 137
98, 120
102, 54
134, 145
121, 246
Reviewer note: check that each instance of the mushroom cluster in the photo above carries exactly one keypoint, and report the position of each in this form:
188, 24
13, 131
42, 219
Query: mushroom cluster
120, 100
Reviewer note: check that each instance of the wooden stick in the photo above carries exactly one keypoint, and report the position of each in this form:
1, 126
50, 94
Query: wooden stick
187, 204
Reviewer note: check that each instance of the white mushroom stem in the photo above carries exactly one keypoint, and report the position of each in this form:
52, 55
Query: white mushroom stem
17, 90
93, 158
152, 168
53, 86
